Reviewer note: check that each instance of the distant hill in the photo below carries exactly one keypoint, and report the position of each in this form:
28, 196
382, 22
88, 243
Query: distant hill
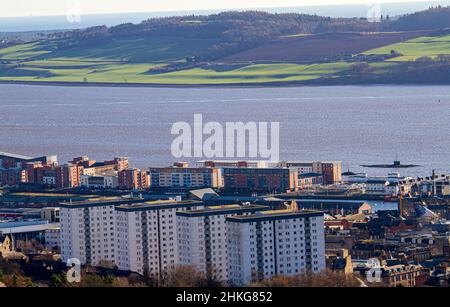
232, 31
237, 48
433, 18
320, 47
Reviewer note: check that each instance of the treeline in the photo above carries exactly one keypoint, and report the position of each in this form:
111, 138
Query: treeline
233, 31
238, 31
424, 70
433, 18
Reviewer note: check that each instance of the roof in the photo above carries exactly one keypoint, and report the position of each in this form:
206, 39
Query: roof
15, 156
377, 180
221, 210
157, 205
307, 175
28, 228
272, 199
101, 201
355, 217
273, 215
204, 194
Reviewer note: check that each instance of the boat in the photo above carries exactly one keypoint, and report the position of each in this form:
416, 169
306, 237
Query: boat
396, 164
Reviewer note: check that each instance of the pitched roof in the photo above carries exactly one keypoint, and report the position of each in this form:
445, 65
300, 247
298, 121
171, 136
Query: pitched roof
204, 194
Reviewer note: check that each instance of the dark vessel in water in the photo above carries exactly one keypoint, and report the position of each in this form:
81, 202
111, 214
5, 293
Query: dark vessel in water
396, 164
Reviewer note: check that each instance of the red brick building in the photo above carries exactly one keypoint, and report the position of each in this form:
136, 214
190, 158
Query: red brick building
133, 179
268, 180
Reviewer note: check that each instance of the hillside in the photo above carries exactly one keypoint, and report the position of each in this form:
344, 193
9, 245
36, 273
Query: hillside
235, 48
320, 47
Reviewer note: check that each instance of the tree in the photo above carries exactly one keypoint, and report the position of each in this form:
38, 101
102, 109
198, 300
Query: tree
310, 279
187, 276
361, 68
443, 58
58, 280
424, 59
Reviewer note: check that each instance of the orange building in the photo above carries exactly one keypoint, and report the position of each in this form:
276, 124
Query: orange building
133, 179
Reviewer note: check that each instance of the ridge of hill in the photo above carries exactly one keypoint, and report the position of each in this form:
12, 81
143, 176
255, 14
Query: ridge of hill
234, 48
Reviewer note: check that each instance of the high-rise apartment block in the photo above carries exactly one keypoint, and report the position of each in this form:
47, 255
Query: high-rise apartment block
88, 230
202, 237
147, 235
274, 243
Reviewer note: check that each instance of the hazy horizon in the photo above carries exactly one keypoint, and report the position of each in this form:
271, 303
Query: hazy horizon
30, 8
63, 22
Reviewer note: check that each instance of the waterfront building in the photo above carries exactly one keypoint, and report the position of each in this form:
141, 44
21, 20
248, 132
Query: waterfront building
202, 237
133, 179
147, 235
331, 170
185, 177
11, 161
12, 177
13, 167
376, 186
92, 167
309, 180
261, 180
110, 181
269, 243
67, 176
232, 164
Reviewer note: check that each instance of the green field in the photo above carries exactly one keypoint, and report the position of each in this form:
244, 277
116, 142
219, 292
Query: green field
129, 61
138, 73
418, 47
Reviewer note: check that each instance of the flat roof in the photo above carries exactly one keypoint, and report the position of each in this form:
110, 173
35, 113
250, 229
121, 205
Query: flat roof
28, 228
309, 162
259, 169
101, 201
157, 205
231, 161
15, 156
274, 215
221, 210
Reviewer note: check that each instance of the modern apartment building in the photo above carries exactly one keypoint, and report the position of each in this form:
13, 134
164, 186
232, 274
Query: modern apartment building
273, 243
133, 179
202, 237
88, 229
232, 163
264, 180
14, 169
99, 182
331, 170
147, 236
92, 167
309, 180
185, 177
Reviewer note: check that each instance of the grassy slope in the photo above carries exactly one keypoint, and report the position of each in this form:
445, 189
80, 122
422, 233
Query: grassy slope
415, 48
118, 62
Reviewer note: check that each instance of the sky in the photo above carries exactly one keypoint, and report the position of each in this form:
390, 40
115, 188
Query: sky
15, 8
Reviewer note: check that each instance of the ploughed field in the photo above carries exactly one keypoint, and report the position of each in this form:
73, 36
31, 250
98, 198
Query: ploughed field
321, 47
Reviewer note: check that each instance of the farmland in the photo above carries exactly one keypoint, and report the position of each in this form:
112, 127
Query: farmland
418, 47
313, 48
218, 54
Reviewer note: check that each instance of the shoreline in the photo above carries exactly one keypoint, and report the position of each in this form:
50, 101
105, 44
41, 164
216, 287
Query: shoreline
225, 85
